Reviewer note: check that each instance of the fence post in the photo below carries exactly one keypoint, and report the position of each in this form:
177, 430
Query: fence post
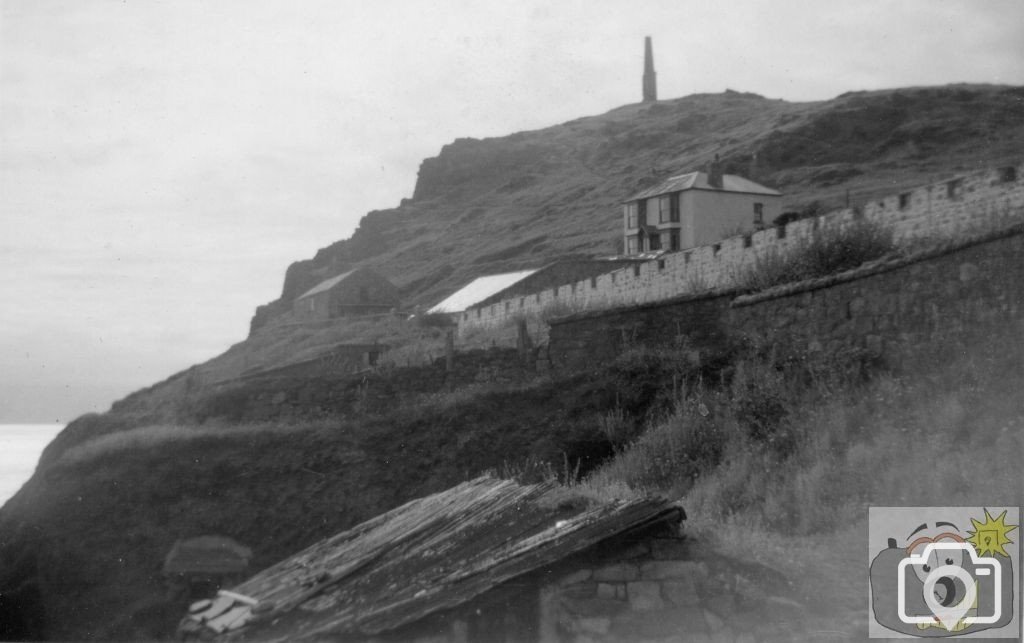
449, 351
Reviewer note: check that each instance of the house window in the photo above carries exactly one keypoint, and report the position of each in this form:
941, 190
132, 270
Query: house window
661, 264
758, 214
655, 241
631, 215
673, 240
522, 302
641, 212
631, 246
686, 258
954, 189
1008, 174
747, 241
780, 232
593, 282
636, 270
507, 304
674, 207
664, 209
904, 200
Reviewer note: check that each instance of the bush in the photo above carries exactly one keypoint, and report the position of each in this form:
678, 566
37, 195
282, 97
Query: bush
827, 252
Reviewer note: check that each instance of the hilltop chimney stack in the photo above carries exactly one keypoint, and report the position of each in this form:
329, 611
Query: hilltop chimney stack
650, 78
715, 173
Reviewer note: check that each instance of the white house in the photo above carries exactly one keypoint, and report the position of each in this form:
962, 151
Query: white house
696, 209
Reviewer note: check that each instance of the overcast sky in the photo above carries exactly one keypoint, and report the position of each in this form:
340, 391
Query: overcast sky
161, 163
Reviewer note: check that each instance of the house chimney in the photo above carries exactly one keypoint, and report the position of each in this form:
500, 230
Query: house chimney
715, 174
650, 78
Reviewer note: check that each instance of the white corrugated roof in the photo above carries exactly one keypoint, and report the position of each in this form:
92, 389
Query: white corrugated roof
326, 284
479, 289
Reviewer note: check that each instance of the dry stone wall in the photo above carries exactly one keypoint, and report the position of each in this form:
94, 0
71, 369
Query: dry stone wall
947, 297
986, 200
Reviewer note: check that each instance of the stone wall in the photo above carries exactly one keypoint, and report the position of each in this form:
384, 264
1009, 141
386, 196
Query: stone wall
891, 310
982, 201
630, 588
651, 591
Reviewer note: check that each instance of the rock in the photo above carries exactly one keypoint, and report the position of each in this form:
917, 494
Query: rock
661, 569
577, 576
680, 592
584, 607
622, 572
606, 590
645, 596
669, 549
594, 625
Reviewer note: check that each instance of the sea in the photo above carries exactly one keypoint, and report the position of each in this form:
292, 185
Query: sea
20, 448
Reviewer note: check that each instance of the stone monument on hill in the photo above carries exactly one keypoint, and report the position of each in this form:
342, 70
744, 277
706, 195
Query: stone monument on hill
650, 78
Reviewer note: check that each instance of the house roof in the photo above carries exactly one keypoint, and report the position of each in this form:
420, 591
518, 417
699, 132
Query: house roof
431, 554
479, 289
326, 284
207, 555
558, 273
699, 181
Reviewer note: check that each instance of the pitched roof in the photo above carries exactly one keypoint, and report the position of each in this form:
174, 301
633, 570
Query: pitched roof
699, 181
326, 284
479, 289
430, 554
207, 555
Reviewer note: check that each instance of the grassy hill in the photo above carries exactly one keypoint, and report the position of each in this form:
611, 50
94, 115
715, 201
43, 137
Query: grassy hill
752, 453
484, 206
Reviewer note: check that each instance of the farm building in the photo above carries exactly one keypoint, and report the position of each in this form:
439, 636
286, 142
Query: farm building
357, 292
477, 290
696, 209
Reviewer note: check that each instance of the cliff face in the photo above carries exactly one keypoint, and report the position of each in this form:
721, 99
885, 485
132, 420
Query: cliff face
517, 201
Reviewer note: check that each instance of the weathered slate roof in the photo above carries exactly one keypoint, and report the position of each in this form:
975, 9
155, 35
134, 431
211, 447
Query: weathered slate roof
207, 555
430, 554
479, 289
699, 181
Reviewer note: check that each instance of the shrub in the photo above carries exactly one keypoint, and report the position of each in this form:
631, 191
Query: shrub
827, 252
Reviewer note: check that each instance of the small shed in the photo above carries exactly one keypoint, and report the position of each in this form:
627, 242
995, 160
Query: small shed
487, 560
357, 292
202, 565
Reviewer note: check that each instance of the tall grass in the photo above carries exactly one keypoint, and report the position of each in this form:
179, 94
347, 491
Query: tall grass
827, 252
786, 449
